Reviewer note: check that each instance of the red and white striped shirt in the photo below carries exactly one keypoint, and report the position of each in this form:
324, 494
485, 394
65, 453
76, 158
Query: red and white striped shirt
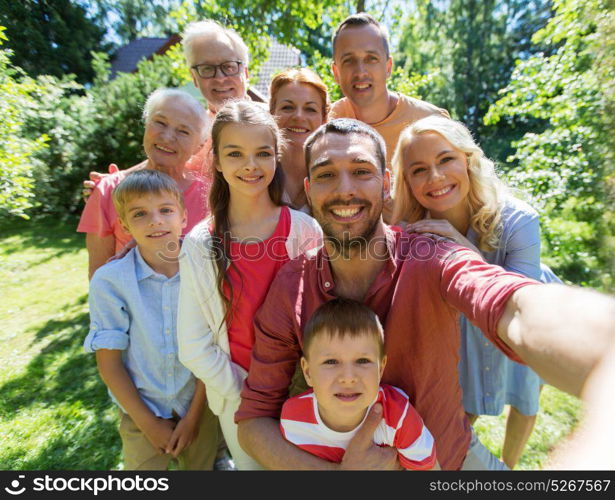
401, 427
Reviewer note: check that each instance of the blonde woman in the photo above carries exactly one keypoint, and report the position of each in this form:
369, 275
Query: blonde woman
447, 186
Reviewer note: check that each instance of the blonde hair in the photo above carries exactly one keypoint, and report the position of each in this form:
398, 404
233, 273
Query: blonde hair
141, 183
212, 29
485, 198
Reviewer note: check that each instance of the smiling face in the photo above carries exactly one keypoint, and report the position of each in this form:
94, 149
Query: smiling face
361, 66
155, 221
345, 372
346, 188
173, 133
217, 90
246, 158
437, 174
299, 111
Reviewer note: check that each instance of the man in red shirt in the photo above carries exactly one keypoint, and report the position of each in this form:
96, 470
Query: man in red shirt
416, 286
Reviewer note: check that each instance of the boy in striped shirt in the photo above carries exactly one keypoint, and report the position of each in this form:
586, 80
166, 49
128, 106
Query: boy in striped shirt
343, 361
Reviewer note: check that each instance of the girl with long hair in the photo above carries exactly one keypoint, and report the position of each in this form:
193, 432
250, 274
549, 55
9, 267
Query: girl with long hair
445, 185
229, 260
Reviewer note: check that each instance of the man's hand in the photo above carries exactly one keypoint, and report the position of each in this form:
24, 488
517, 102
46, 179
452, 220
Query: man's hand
95, 178
363, 454
184, 434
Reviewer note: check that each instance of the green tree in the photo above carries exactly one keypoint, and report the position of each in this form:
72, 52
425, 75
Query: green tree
131, 19
88, 132
16, 151
51, 37
470, 48
566, 164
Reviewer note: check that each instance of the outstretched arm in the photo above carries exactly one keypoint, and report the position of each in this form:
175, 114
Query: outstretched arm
561, 332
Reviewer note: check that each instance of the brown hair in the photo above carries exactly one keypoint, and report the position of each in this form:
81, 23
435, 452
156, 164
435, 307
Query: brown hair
244, 113
141, 183
363, 19
346, 126
299, 75
343, 318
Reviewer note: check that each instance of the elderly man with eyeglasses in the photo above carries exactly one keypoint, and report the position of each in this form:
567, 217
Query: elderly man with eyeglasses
218, 60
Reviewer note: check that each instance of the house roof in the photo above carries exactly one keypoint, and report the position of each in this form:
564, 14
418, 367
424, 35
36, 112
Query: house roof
280, 57
126, 58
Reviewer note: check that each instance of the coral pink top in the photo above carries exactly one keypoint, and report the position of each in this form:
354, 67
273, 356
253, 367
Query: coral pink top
100, 217
254, 265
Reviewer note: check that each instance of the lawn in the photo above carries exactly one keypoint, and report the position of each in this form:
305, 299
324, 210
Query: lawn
54, 410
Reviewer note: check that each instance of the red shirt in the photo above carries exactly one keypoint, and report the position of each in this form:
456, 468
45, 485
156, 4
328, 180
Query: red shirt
255, 264
417, 295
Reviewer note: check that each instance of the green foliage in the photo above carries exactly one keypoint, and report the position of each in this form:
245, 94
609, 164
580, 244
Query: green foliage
16, 150
51, 37
564, 165
131, 19
90, 129
469, 48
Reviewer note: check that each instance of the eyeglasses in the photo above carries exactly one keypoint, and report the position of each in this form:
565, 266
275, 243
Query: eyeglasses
228, 68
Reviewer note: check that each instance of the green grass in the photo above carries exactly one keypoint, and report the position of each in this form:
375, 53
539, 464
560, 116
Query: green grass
54, 410
558, 415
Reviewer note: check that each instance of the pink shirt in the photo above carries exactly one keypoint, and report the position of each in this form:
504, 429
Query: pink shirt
100, 217
254, 266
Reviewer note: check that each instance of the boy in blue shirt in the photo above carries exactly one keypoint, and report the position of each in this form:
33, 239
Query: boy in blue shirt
133, 318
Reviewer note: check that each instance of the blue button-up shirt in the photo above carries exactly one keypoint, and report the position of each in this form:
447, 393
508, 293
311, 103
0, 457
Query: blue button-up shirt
134, 309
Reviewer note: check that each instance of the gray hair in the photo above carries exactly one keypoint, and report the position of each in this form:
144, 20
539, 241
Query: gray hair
210, 28
159, 95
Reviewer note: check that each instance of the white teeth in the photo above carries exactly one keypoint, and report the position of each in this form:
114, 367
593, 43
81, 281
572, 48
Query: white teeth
345, 212
298, 130
441, 191
362, 85
159, 233
166, 150
251, 179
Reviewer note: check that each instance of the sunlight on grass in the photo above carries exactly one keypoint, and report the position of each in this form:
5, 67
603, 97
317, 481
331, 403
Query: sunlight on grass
54, 410
557, 417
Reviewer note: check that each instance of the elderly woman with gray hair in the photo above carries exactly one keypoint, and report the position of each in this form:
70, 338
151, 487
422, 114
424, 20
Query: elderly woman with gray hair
176, 126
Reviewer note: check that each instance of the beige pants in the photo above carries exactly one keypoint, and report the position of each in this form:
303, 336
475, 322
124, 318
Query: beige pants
139, 454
